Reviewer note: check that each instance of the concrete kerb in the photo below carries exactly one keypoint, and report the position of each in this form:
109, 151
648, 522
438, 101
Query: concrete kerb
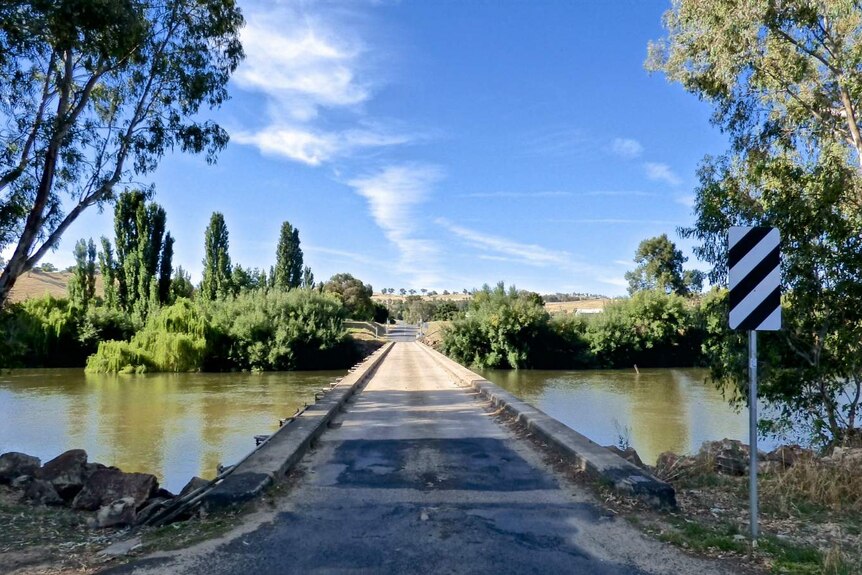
278, 454
604, 465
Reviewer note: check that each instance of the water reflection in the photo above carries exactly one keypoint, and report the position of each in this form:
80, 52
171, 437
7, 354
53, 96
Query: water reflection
658, 409
172, 425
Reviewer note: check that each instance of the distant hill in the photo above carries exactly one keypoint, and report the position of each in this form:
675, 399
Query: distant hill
37, 284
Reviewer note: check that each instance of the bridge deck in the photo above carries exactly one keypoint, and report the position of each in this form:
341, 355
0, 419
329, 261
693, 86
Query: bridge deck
417, 477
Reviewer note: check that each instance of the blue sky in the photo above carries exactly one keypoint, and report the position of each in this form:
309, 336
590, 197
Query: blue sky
443, 145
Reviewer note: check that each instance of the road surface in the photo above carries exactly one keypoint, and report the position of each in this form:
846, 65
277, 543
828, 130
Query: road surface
417, 477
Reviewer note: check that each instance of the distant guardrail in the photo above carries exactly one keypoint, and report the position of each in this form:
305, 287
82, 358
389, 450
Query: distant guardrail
372, 327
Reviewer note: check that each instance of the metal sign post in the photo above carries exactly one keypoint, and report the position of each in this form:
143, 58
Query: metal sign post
754, 263
752, 433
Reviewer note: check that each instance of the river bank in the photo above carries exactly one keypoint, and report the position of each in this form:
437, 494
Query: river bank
809, 507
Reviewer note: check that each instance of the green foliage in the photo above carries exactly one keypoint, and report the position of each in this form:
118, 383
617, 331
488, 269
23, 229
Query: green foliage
651, 329
217, 277
82, 284
93, 94
273, 330
143, 255
181, 285
502, 329
355, 295
257, 330
786, 86
288, 263
40, 332
172, 340
660, 267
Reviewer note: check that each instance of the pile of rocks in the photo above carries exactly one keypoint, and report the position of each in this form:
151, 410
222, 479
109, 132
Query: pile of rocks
731, 457
69, 480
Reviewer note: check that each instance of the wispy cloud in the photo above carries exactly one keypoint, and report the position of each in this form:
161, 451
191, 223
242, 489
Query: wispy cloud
393, 193
311, 64
312, 147
556, 142
627, 148
347, 256
611, 221
661, 173
529, 254
514, 195
614, 193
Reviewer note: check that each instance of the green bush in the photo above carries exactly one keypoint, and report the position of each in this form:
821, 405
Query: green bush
41, 332
273, 330
173, 339
650, 329
502, 329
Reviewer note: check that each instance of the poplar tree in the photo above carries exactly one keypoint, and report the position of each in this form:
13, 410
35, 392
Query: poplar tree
217, 278
143, 253
82, 284
92, 95
288, 263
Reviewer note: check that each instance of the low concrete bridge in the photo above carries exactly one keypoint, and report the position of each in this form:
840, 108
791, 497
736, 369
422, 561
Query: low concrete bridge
413, 473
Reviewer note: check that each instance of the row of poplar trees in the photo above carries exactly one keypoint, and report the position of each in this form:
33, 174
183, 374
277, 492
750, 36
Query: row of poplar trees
137, 268
221, 278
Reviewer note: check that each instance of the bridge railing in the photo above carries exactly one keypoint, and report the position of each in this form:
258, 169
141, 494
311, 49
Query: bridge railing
372, 327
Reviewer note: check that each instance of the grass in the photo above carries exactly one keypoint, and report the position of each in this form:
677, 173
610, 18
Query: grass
812, 502
811, 487
37, 284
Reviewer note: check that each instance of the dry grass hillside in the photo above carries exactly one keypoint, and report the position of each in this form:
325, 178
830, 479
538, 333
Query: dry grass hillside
37, 284
564, 307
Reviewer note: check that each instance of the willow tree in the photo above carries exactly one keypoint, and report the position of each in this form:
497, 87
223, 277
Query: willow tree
785, 83
92, 94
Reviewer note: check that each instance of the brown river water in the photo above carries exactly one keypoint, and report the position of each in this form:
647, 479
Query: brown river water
179, 425
172, 425
654, 411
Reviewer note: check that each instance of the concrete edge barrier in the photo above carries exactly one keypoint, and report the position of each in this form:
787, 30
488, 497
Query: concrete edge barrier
284, 449
601, 463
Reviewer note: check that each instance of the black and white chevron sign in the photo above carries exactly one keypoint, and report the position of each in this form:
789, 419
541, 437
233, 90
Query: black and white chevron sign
755, 278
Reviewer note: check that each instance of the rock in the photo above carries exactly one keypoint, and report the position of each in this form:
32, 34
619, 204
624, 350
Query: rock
107, 485
43, 493
730, 456
121, 548
163, 493
117, 513
21, 482
14, 464
193, 485
67, 473
846, 456
671, 466
149, 509
789, 455
629, 454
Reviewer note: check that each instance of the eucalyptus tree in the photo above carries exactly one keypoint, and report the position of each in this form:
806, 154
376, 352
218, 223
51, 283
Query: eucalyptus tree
92, 94
660, 267
785, 83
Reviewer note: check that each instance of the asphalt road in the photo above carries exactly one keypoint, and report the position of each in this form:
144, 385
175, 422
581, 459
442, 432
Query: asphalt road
402, 332
416, 477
